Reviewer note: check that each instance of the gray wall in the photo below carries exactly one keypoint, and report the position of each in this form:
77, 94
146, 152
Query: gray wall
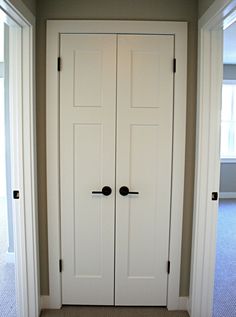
228, 170
229, 71
31, 4
203, 5
228, 177
182, 10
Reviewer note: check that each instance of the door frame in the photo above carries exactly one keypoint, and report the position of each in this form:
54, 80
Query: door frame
179, 31
221, 14
26, 220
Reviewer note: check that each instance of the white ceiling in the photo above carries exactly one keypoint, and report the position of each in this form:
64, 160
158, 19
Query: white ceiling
230, 45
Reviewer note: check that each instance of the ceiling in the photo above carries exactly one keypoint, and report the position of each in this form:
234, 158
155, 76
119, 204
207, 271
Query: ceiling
230, 44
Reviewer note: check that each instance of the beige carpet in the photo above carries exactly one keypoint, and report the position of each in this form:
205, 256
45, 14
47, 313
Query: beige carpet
85, 311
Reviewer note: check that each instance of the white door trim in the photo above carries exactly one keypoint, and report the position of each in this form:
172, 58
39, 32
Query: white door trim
207, 174
179, 31
26, 223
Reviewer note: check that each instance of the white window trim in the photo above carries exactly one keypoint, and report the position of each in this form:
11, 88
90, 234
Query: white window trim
207, 173
179, 31
26, 224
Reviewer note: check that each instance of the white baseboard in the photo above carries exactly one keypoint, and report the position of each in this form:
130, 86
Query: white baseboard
10, 257
228, 195
183, 303
189, 306
45, 302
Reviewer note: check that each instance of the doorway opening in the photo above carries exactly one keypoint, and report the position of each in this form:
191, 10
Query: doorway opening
8, 305
218, 17
19, 288
225, 270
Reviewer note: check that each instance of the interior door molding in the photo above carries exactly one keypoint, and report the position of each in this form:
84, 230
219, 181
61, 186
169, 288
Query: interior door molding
220, 15
22, 107
179, 31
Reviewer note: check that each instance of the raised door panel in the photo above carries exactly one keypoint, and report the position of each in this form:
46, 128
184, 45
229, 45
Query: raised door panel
145, 79
87, 153
87, 78
144, 152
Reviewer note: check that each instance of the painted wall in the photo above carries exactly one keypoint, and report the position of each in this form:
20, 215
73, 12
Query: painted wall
203, 5
227, 178
230, 71
31, 4
182, 10
228, 170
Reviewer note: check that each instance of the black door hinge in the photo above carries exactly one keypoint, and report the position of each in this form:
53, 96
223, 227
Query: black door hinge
214, 196
174, 65
60, 265
168, 267
59, 64
16, 194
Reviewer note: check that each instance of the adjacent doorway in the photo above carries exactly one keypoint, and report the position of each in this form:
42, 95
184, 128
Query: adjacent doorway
218, 17
8, 305
224, 303
19, 284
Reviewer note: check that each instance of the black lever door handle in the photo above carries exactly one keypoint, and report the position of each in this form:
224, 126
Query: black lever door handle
106, 191
124, 191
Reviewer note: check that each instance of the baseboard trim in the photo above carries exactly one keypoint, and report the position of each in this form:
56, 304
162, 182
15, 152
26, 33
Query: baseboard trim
228, 195
189, 306
183, 303
45, 302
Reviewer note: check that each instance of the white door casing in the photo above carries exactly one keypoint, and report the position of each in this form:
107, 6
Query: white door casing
179, 31
87, 126
220, 15
22, 110
144, 152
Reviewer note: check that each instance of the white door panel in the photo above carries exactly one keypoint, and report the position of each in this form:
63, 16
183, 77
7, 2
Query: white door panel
101, 97
87, 127
144, 151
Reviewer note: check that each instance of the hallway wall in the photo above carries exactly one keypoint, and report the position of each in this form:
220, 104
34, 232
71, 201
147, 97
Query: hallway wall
203, 5
30, 4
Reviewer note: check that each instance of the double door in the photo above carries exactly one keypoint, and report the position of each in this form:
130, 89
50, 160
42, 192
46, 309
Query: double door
116, 114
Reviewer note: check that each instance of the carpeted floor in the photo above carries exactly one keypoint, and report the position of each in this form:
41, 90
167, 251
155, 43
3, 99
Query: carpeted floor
7, 292
225, 274
7, 270
88, 311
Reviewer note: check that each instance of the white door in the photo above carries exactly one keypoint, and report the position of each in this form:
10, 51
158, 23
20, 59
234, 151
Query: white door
87, 153
144, 152
131, 98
